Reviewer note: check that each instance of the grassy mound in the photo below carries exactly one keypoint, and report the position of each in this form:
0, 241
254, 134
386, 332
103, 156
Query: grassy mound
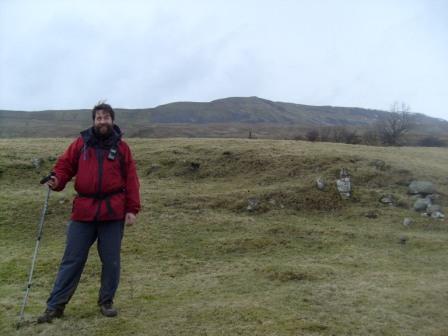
198, 262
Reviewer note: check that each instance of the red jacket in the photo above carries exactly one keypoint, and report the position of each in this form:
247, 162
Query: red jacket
106, 178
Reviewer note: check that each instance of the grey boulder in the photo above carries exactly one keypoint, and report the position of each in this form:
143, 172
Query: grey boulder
421, 187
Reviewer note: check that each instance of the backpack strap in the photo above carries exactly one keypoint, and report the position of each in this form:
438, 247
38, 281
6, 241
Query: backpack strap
114, 152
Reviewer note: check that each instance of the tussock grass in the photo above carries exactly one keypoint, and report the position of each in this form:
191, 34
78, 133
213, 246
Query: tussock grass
304, 262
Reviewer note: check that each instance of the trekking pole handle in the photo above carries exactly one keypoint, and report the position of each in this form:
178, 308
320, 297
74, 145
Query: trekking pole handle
47, 178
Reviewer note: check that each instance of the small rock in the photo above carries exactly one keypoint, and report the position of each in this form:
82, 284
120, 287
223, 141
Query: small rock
437, 215
344, 173
403, 240
422, 204
407, 222
194, 166
37, 162
387, 199
433, 208
371, 214
253, 204
154, 168
320, 183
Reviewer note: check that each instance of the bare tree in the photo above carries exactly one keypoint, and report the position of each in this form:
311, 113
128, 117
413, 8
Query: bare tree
312, 135
393, 126
325, 133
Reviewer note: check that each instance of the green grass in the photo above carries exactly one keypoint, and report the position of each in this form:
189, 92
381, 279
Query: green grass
198, 263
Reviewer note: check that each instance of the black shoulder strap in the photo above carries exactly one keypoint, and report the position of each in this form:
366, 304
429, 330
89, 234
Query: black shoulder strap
84, 153
122, 161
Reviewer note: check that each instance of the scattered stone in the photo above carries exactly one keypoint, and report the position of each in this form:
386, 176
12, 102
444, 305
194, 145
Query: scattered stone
434, 197
422, 204
433, 208
194, 166
437, 215
371, 214
344, 184
344, 173
154, 168
407, 221
37, 162
320, 183
253, 204
387, 199
421, 187
403, 240
272, 201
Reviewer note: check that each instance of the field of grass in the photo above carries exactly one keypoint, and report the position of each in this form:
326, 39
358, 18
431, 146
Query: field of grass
197, 262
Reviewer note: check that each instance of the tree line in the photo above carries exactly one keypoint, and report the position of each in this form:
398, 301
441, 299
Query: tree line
389, 130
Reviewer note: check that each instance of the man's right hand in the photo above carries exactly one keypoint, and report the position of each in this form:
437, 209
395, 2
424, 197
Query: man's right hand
53, 182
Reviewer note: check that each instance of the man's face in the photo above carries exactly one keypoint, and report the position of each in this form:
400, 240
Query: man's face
103, 123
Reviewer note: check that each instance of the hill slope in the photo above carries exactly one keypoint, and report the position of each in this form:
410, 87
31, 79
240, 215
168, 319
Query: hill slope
213, 119
303, 262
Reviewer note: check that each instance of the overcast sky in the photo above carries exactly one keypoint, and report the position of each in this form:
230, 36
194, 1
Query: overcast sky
70, 54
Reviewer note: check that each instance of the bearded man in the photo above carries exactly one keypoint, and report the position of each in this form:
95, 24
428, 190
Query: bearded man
108, 198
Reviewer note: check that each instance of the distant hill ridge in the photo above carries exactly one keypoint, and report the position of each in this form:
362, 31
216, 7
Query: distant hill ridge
233, 110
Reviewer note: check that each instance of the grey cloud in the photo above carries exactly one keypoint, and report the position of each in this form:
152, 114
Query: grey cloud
145, 53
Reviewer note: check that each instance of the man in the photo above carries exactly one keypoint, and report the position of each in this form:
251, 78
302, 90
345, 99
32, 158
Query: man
108, 198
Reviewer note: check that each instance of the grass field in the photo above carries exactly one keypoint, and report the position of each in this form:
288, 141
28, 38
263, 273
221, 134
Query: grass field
198, 263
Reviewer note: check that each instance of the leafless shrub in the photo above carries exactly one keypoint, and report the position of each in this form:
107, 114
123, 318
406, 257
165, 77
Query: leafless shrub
325, 134
312, 135
392, 127
370, 137
431, 141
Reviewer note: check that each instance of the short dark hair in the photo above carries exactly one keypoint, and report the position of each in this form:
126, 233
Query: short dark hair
103, 107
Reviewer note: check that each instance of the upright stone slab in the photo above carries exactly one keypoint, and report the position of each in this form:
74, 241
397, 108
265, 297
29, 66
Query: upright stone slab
344, 184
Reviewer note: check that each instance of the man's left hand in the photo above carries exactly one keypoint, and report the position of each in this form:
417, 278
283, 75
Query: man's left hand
129, 219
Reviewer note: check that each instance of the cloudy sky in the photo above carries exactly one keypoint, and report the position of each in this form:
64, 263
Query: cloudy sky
70, 54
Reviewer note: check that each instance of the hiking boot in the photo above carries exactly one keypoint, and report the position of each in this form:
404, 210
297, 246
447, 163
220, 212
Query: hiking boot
49, 315
108, 310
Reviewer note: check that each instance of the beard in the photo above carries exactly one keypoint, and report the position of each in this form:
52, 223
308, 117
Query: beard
103, 131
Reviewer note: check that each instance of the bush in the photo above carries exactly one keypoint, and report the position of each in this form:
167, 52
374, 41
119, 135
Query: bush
370, 137
431, 141
312, 135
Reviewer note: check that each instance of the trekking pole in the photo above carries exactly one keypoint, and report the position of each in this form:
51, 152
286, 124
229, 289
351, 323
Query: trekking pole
36, 248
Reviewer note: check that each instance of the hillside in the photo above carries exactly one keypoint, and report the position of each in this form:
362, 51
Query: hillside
198, 262
229, 117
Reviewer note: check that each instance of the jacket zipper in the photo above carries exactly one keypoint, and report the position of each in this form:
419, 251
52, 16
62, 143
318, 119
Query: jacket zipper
100, 159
